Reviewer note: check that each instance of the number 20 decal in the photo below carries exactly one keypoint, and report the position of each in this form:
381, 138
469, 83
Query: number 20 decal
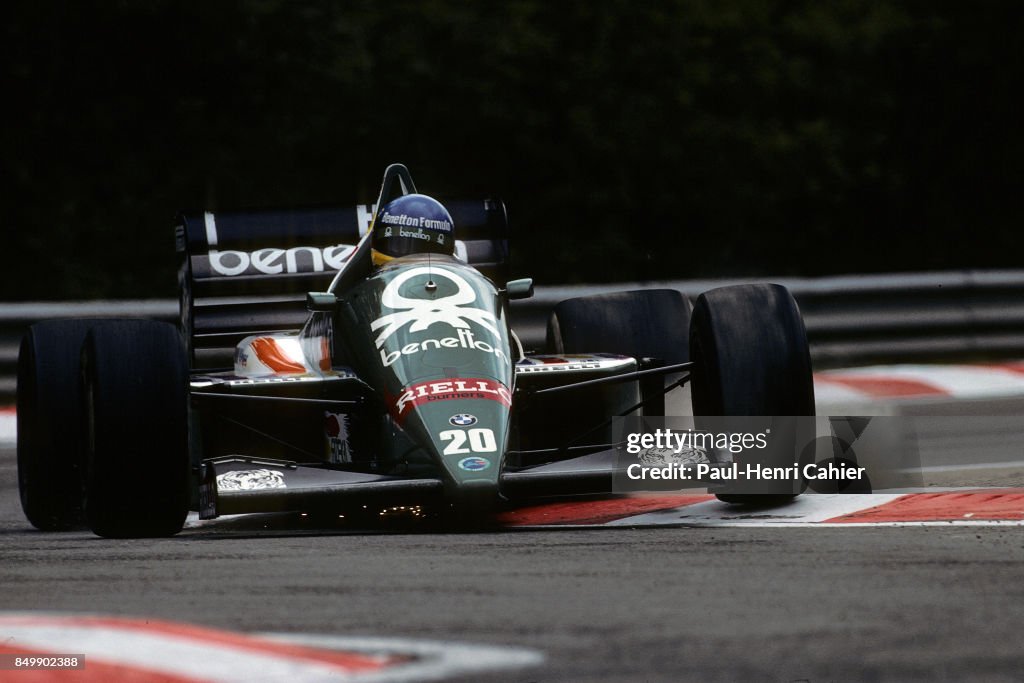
480, 441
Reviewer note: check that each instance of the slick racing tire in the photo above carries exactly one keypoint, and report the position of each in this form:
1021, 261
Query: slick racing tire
135, 390
649, 325
751, 358
49, 424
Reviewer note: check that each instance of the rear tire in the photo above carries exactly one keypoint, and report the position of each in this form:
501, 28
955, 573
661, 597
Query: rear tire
49, 424
751, 358
136, 403
649, 323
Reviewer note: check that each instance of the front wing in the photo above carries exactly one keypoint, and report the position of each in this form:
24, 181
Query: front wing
238, 484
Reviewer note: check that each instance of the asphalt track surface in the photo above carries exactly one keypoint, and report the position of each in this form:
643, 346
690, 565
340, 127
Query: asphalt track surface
608, 604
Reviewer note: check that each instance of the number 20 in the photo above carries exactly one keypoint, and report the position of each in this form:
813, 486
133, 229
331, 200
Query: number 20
480, 441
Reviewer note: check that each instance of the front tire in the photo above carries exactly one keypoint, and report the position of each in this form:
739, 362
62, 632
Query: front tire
136, 403
751, 358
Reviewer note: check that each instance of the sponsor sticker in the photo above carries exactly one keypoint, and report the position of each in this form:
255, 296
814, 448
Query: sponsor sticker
388, 218
336, 431
273, 261
462, 420
463, 340
528, 369
250, 480
474, 464
448, 389
419, 314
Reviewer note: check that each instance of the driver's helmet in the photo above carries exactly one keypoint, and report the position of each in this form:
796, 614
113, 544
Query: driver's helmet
412, 224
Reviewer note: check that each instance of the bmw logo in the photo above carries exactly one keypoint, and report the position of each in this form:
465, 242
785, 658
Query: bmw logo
462, 420
474, 464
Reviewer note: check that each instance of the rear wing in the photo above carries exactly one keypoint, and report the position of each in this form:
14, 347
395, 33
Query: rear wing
244, 273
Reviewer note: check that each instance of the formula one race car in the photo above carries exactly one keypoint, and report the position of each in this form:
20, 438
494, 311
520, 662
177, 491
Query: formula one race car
312, 375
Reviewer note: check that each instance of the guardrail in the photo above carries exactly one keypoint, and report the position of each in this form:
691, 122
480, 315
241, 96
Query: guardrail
864, 319
851, 320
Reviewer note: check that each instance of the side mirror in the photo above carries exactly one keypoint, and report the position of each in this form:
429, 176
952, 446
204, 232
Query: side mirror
321, 302
519, 289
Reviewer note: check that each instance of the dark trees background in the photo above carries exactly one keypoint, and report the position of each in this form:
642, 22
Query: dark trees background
631, 140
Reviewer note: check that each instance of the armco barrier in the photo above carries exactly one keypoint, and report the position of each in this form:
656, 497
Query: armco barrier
864, 319
851, 320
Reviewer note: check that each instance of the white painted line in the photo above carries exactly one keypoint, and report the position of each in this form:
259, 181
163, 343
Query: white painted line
8, 427
1010, 464
436, 659
145, 648
178, 656
826, 392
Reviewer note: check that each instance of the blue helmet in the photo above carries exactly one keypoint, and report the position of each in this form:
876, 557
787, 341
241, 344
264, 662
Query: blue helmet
412, 224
